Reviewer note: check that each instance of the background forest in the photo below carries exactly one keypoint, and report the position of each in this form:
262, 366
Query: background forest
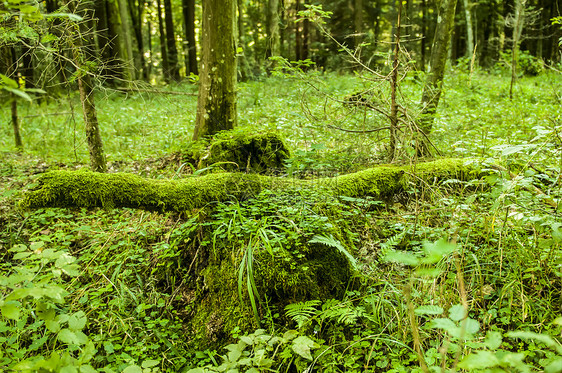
280, 185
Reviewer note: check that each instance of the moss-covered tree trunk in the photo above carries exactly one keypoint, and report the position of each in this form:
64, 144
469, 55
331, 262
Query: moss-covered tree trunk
90, 189
216, 105
518, 20
438, 60
81, 54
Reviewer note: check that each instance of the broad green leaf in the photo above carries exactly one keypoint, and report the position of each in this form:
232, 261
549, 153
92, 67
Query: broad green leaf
87, 369
554, 367
77, 321
150, 363
402, 257
11, 310
457, 312
132, 369
479, 360
543, 338
9, 83
302, 346
471, 326
429, 310
72, 337
443, 323
435, 251
64, 260
290, 334
493, 340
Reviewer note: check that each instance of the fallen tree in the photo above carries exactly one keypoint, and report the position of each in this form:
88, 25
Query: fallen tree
90, 189
220, 262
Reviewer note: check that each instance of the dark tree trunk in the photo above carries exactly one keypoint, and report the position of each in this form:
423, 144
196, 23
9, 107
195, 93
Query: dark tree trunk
163, 48
173, 68
189, 35
298, 32
136, 9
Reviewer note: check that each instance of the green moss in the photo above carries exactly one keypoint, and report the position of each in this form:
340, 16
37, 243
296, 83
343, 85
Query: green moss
90, 189
238, 150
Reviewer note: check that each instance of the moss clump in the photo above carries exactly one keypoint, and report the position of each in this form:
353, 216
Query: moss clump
241, 151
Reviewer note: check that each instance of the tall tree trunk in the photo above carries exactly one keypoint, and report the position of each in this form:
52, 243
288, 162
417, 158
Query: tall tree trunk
127, 44
394, 87
189, 35
519, 19
163, 48
136, 11
173, 68
423, 40
469, 30
15, 122
243, 64
10, 68
358, 22
83, 41
274, 42
298, 32
216, 104
438, 60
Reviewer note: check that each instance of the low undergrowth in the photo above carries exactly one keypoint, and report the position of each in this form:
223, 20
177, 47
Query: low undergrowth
449, 276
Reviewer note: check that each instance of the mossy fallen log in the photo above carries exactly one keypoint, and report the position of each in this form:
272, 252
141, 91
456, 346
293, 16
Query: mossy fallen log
90, 189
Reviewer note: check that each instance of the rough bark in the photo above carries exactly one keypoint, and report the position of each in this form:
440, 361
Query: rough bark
15, 123
243, 64
82, 42
393, 88
162, 32
127, 44
469, 30
518, 18
274, 42
90, 189
189, 35
438, 60
358, 22
173, 68
216, 104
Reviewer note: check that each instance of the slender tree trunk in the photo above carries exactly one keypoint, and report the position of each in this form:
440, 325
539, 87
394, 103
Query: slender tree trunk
173, 68
298, 33
519, 18
394, 86
189, 34
424, 33
127, 45
136, 11
216, 104
305, 36
243, 64
163, 48
82, 42
358, 22
438, 60
469, 30
15, 123
8, 66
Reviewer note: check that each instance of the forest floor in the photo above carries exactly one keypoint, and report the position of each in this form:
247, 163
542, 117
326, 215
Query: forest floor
456, 275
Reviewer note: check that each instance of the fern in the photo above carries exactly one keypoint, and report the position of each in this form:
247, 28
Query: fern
302, 312
393, 241
332, 242
341, 313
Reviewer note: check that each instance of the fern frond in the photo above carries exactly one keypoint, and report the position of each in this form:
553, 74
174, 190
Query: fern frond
302, 312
